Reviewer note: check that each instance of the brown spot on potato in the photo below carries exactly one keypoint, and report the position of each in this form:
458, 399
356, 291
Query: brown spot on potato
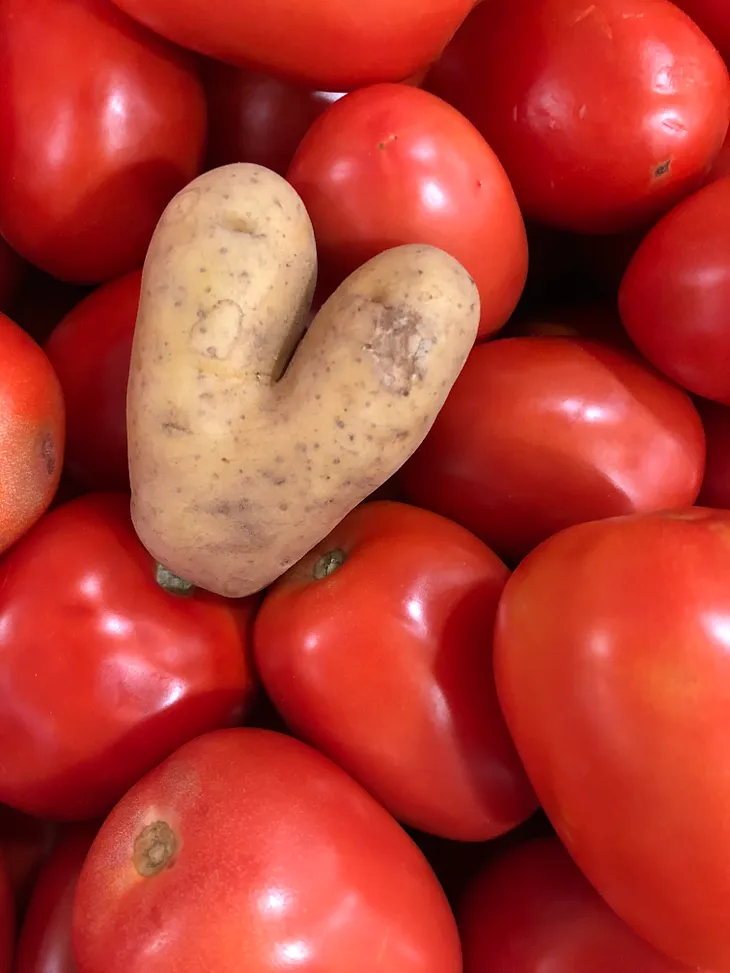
399, 347
217, 331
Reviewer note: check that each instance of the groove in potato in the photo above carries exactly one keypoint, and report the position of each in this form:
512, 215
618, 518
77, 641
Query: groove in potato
249, 438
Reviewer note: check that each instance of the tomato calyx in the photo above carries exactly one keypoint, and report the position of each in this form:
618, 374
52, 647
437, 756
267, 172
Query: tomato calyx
328, 563
173, 583
155, 848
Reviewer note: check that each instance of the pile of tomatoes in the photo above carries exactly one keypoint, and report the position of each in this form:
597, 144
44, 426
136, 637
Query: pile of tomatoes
484, 727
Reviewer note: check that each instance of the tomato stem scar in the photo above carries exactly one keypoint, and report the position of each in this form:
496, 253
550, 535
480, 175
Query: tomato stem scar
172, 582
155, 847
329, 563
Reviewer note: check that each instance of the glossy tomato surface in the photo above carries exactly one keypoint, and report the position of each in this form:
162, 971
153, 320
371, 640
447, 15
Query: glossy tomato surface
531, 911
675, 293
376, 649
713, 16
253, 117
90, 350
102, 124
249, 850
7, 921
603, 114
541, 433
332, 44
105, 672
612, 667
44, 945
32, 432
391, 165
715, 490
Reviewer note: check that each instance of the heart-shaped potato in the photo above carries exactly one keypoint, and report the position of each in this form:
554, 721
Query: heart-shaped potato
335, 45
250, 435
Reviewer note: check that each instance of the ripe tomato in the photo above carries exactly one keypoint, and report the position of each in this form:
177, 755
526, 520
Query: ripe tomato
7, 922
541, 433
12, 270
45, 939
332, 44
603, 114
393, 164
102, 124
129, 672
612, 666
715, 490
31, 432
409, 709
91, 350
254, 117
531, 910
25, 843
249, 850
713, 16
675, 293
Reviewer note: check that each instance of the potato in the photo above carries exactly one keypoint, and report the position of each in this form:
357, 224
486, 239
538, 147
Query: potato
249, 440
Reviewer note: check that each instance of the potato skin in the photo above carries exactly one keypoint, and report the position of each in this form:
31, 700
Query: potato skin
240, 464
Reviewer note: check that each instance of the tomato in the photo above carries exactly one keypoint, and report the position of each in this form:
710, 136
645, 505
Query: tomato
25, 843
45, 939
409, 710
392, 164
613, 671
603, 114
713, 16
31, 432
7, 922
332, 44
674, 295
131, 671
715, 490
91, 350
102, 124
12, 270
531, 910
249, 850
254, 117
541, 433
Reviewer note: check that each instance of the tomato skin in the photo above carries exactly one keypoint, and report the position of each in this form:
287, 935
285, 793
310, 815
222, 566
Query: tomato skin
409, 709
545, 81
333, 45
392, 164
541, 433
32, 432
132, 671
713, 17
44, 945
257, 118
102, 123
91, 349
304, 867
674, 295
532, 910
613, 673
715, 490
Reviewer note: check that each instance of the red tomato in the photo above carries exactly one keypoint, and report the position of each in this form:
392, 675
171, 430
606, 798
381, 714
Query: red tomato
131, 671
31, 432
393, 164
675, 293
332, 44
542, 433
45, 939
715, 490
532, 911
249, 850
91, 350
256, 118
713, 16
409, 709
12, 270
603, 114
613, 670
102, 124
721, 165
25, 843
7, 922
